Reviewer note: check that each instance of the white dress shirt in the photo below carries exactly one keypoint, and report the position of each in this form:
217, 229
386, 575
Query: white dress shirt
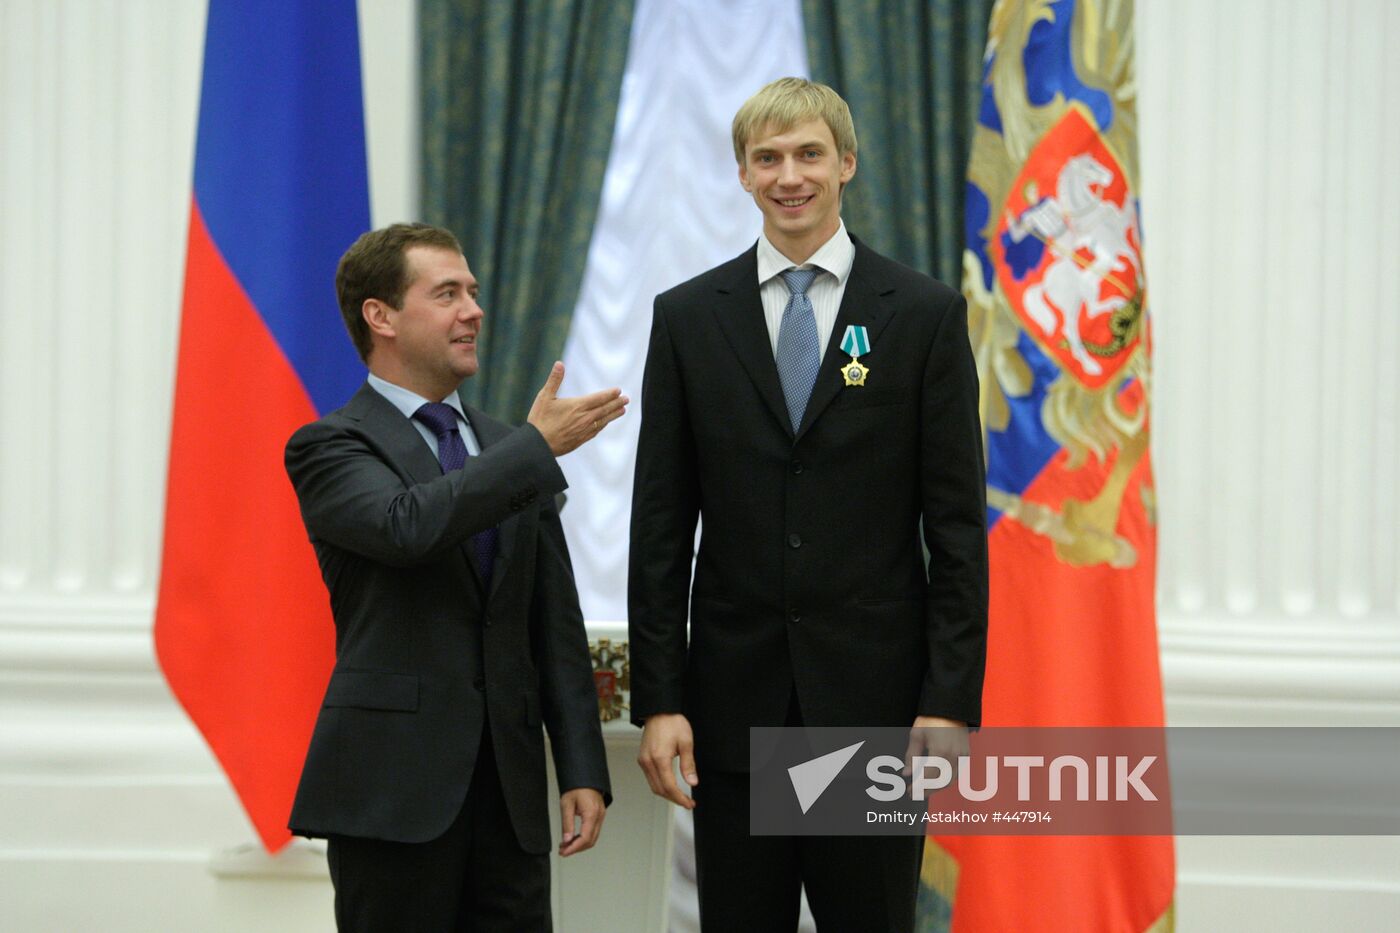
834, 259
409, 402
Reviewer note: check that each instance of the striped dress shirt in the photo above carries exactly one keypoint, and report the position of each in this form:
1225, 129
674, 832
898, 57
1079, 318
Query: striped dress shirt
834, 258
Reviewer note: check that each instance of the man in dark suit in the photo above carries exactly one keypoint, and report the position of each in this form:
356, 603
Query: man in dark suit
813, 474
458, 629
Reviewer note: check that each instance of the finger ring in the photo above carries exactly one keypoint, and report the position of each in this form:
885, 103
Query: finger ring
596, 425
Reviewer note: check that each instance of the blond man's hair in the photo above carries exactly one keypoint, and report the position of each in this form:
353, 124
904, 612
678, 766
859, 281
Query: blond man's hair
786, 102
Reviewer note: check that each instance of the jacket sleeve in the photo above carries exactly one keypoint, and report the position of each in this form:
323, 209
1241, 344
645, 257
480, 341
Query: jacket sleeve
953, 478
665, 509
569, 698
352, 498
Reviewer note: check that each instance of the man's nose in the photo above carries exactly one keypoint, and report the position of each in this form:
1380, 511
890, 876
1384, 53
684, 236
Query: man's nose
470, 309
788, 174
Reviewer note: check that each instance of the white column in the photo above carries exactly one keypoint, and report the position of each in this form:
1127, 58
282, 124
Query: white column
1271, 243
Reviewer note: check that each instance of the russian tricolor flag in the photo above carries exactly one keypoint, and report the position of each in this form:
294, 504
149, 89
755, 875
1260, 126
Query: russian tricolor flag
243, 628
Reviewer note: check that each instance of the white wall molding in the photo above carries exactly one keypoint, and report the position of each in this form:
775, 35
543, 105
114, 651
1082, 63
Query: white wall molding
1219, 669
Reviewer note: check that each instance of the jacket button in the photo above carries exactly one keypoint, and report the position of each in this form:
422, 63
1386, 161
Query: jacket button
794, 616
794, 540
796, 467
531, 496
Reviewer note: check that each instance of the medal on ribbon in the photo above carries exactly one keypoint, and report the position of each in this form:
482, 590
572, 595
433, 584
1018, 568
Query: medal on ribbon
855, 342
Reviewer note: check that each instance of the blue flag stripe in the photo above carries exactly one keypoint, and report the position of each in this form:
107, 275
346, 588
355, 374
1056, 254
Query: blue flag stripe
280, 171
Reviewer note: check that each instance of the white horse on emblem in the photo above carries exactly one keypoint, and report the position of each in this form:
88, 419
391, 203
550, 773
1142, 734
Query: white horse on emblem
1078, 218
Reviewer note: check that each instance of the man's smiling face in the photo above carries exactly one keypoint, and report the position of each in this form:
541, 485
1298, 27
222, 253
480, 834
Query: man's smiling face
796, 178
435, 331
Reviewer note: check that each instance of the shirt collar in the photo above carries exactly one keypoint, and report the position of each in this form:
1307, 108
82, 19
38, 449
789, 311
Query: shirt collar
836, 256
409, 402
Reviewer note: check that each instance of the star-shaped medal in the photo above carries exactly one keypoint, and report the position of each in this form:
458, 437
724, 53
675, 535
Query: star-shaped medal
854, 373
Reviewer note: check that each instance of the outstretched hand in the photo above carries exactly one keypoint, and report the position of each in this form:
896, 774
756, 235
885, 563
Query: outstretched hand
568, 423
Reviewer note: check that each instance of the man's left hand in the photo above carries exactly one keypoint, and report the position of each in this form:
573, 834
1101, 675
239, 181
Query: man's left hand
934, 736
581, 812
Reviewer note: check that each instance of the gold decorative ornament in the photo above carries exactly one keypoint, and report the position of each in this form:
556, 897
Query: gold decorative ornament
612, 676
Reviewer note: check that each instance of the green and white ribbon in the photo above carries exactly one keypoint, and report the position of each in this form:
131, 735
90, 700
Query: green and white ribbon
856, 341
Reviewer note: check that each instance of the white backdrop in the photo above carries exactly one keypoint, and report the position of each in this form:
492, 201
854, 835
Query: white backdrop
1271, 209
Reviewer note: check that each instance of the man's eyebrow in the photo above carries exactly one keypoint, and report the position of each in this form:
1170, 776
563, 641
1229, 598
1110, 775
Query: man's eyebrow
811, 144
455, 282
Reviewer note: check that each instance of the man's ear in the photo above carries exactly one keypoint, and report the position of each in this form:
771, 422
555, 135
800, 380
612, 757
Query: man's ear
744, 178
848, 167
377, 315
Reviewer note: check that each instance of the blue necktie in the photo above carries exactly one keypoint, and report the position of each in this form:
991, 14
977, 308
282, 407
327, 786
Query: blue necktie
799, 353
441, 419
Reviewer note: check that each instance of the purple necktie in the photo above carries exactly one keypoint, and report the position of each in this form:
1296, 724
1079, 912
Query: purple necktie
441, 419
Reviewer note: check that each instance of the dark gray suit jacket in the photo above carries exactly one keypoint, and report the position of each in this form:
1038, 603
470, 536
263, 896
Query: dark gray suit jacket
809, 575
424, 656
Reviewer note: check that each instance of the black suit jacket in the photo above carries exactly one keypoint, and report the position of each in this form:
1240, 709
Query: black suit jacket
424, 656
810, 572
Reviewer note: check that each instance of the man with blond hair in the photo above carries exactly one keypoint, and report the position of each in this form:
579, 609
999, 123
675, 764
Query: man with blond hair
814, 405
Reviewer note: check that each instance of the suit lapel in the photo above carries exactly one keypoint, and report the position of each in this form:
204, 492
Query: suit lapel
487, 433
396, 435
865, 302
402, 444
739, 313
